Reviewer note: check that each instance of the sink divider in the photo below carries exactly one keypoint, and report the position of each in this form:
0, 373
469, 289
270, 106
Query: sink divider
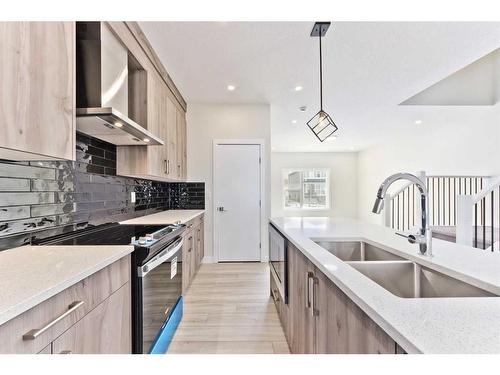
416, 280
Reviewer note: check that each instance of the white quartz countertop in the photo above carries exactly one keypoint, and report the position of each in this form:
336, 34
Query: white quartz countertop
419, 325
166, 217
30, 275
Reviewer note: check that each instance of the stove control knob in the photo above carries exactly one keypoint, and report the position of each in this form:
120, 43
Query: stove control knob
149, 237
142, 240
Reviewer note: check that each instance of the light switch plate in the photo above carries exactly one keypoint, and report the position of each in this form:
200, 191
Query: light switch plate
132, 196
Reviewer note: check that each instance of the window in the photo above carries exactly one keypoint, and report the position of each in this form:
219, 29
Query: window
306, 189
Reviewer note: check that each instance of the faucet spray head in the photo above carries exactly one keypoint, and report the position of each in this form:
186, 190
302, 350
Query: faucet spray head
378, 205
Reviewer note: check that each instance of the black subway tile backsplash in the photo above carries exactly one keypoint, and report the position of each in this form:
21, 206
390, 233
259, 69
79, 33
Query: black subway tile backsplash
45, 198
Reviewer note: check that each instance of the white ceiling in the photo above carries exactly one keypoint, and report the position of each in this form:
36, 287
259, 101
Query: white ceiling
369, 68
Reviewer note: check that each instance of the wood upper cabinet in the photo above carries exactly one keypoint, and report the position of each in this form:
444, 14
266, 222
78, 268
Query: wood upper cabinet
153, 162
181, 144
322, 319
301, 318
171, 140
37, 90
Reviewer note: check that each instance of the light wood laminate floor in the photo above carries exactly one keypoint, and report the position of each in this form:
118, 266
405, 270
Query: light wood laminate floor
228, 310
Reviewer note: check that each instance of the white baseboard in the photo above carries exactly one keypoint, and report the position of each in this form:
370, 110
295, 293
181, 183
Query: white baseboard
208, 260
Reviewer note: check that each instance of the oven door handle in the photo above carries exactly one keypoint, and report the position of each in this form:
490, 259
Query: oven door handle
160, 258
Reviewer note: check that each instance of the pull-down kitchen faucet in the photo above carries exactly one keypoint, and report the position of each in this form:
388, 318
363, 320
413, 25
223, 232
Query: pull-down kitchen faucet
424, 237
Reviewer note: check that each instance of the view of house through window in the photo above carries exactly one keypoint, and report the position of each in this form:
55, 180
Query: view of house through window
306, 188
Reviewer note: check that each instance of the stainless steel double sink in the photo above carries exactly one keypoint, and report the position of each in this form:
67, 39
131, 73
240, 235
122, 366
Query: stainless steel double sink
398, 275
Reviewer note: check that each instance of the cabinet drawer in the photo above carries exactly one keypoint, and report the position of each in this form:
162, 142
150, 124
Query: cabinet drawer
275, 294
198, 220
63, 310
106, 329
189, 225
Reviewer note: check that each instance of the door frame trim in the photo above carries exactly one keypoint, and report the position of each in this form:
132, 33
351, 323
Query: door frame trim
263, 198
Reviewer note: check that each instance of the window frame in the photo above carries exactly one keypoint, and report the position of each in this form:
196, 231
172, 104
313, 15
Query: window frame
285, 172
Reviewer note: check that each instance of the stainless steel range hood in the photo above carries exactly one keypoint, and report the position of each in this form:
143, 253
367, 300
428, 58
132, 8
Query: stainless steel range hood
102, 88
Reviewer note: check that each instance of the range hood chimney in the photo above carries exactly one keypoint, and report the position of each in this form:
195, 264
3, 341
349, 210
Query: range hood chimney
102, 96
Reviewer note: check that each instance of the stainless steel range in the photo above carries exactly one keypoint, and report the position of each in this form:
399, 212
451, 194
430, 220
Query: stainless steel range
156, 276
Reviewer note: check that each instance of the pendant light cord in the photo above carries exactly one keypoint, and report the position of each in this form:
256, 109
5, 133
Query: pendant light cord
320, 74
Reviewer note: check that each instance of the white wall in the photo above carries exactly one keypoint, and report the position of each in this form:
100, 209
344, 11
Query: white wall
442, 149
206, 122
343, 181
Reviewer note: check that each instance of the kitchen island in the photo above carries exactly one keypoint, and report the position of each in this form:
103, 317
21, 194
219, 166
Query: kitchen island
417, 325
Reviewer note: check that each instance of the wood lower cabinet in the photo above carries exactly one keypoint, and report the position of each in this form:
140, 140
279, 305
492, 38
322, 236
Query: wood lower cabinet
37, 90
302, 320
192, 251
342, 327
96, 309
106, 329
320, 318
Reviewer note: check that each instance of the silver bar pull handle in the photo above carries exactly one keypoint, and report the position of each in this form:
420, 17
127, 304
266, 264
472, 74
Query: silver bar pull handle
309, 276
66, 352
314, 310
34, 333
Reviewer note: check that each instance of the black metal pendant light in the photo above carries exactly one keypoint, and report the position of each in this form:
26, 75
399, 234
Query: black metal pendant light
321, 124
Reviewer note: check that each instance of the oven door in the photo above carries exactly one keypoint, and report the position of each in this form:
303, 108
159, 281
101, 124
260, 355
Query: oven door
161, 283
278, 259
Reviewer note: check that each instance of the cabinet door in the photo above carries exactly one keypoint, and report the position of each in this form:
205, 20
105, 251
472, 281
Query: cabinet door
105, 330
342, 327
301, 318
187, 254
201, 238
181, 145
37, 90
157, 124
171, 139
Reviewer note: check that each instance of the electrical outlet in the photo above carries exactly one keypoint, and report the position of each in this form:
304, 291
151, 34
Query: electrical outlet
132, 196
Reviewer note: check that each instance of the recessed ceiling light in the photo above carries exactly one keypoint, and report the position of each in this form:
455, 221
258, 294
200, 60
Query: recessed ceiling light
231, 87
118, 124
147, 140
418, 122
294, 121
298, 88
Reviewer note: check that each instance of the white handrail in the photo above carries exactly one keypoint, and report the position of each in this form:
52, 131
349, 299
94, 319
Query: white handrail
465, 207
493, 184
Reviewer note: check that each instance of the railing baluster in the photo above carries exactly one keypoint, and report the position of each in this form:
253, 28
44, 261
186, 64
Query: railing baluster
439, 204
398, 214
413, 219
475, 225
449, 201
392, 216
492, 220
483, 218
408, 208
403, 213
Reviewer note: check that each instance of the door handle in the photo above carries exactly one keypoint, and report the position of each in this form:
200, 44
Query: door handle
221, 209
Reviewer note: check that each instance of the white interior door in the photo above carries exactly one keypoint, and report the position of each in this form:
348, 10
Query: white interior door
237, 198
